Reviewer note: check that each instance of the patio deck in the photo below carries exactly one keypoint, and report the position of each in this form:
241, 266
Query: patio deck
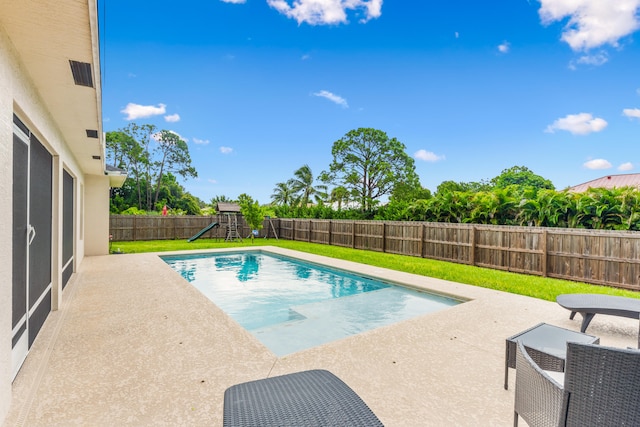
135, 344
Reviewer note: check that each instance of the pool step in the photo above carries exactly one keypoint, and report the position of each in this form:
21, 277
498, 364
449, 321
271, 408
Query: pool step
333, 319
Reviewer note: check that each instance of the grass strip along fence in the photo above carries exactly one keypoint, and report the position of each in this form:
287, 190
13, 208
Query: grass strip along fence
610, 258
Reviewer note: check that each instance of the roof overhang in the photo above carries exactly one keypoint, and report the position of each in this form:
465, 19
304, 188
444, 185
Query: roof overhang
51, 38
117, 176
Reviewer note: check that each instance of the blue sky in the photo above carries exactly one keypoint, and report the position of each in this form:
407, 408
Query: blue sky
259, 88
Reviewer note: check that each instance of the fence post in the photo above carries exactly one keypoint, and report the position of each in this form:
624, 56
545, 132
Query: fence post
384, 237
309, 236
293, 228
543, 245
423, 237
353, 234
330, 229
135, 229
472, 247
175, 234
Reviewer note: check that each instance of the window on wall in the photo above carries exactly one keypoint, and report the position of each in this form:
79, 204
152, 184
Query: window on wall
67, 226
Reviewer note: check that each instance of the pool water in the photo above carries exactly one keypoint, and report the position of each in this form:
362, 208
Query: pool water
291, 305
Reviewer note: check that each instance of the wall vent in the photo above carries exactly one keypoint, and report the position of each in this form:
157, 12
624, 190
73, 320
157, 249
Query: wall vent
92, 133
81, 73
95, 157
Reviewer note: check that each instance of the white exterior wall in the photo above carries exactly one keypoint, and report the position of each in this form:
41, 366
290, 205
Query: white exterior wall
18, 95
6, 236
96, 221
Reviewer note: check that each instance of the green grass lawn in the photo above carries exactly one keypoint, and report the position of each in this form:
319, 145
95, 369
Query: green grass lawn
534, 286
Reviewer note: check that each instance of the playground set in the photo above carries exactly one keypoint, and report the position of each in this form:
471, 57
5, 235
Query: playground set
231, 211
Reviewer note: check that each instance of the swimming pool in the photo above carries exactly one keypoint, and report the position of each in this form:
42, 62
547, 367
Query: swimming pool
291, 305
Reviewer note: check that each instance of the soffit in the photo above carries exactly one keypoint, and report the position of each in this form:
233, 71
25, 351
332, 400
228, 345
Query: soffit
47, 35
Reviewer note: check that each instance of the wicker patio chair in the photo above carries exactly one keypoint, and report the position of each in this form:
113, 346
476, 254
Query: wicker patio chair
538, 397
601, 388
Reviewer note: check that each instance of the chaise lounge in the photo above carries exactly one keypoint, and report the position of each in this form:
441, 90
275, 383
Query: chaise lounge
307, 398
588, 305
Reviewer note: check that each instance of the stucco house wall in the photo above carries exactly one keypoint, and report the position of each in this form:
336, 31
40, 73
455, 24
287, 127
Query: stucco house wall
5, 230
23, 96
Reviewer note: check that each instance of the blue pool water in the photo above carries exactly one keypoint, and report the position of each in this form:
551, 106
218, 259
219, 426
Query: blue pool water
291, 305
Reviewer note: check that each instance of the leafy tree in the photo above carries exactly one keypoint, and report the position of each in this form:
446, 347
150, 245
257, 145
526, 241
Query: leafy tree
125, 148
189, 204
252, 212
369, 164
120, 148
409, 191
174, 196
172, 156
522, 177
149, 157
474, 187
140, 159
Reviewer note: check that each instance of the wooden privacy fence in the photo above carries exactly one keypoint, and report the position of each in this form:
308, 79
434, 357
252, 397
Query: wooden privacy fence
609, 258
139, 227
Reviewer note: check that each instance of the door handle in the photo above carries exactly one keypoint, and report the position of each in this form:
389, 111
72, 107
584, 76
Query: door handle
31, 234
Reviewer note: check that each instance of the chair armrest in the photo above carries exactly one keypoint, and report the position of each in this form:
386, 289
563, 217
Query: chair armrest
538, 397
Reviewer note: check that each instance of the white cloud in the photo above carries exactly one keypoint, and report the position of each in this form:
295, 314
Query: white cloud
457, 35
179, 136
626, 166
632, 113
596, 59
592, 23
234, 1
172, 118
597, 164
200, 141
427, 156
226, 150
156, 136
306, 56
504, 47
327, 12
137, 111
212, 181
332, 97
578, 124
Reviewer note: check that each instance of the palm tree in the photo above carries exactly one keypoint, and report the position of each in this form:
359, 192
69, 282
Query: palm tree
598, 208
452, 206
302, 184
283, 194
629, 207
339, 195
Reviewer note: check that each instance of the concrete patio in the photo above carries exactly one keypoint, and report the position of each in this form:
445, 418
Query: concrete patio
135, 344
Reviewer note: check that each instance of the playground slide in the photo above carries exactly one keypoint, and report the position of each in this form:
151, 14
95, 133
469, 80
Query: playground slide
204, 230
